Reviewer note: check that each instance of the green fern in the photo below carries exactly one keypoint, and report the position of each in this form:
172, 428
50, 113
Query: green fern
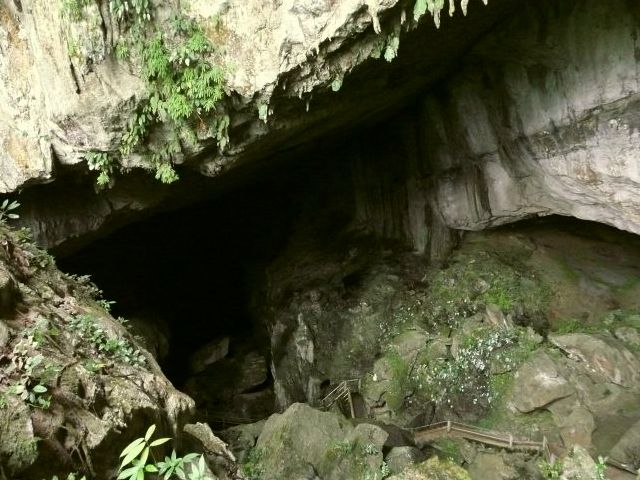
184, 89
104, 164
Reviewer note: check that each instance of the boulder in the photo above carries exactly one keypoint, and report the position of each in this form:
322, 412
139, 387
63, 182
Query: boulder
303, 442
297, 438
399, 458
234, 388
208, 354
576, 427
628, 335
605, 356
578, 465
242, 438
496, 318
438, 348
433, 469
18, 441
492, 466
627, 449
538, 383
153, 332
404, 351
254, 405
253, 372
365, 459
198, 437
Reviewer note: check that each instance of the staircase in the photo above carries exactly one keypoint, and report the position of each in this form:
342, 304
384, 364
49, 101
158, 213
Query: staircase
428, 433
343, 394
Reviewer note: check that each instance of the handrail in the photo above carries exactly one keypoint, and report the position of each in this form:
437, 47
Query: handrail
346, 387
476, 433
224, 419
498, 439
342, 390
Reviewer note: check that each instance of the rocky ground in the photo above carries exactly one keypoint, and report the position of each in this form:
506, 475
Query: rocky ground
531, 330
75, 386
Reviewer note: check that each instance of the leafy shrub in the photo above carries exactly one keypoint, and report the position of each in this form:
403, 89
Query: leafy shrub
184, 89
136, 465
252, 467
477, 278
7, 210
30, 370
71, 476
600, 467
470, 376
551, 471
115, 348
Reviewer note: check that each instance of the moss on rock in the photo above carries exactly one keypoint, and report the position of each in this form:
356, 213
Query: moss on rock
72, 379
433, 469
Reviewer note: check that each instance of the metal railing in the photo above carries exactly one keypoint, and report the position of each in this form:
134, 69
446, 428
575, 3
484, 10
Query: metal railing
342, 392
471, 432
497, 439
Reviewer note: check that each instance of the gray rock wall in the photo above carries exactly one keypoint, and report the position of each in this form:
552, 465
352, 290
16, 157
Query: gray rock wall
543, 118
540, 118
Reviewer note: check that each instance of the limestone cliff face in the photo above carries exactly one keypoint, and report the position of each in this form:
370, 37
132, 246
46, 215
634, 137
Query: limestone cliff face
64, 92
539, 116
543, 119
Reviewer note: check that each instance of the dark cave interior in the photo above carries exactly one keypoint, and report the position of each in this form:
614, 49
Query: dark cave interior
199, 270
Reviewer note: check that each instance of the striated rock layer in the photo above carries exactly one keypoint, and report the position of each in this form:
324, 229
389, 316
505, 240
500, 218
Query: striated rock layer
539, 119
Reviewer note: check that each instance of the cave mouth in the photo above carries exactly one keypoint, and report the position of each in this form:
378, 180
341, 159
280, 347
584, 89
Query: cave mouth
194, 282
183, 280
190, 281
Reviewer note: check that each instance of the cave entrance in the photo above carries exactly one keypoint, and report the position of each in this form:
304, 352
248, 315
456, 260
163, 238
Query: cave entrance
184, 282
187, 281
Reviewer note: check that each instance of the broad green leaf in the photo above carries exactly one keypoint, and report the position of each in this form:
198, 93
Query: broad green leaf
149, 433
144, 456
132, 445
133, 454
127, 473
159, 441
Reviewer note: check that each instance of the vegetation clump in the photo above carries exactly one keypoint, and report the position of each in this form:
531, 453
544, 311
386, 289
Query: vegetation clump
477, 278
108, 346
35, 361
184, 90
468, 374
